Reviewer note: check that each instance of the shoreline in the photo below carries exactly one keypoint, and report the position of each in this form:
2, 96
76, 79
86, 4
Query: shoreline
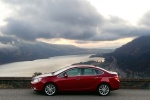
27, 68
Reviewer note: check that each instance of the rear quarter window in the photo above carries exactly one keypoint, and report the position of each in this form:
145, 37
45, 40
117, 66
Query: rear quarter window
99, 72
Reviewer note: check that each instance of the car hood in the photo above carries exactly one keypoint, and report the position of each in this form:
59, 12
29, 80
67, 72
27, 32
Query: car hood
44, 75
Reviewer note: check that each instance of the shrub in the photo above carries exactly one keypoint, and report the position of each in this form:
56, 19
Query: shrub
36, 74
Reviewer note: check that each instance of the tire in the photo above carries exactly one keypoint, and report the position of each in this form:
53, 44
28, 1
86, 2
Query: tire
50, 89
103, 89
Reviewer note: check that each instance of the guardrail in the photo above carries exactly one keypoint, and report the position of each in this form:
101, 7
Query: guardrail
135, 83
24, 82
15, 82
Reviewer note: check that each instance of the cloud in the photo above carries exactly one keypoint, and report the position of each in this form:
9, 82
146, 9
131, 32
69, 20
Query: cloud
6, 46
19, 29
72, 19
7, 43
68, 19
144, 21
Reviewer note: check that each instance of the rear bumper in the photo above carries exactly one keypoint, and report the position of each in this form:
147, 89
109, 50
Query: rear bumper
115, 85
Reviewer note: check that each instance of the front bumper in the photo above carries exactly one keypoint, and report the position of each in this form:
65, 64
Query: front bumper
37, 86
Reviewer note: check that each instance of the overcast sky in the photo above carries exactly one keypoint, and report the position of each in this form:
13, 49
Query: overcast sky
83, 23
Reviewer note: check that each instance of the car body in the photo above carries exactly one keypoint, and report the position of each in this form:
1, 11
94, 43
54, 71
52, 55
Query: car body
77, 78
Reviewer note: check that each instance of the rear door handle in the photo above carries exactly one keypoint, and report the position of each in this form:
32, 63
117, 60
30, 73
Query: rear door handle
77, 78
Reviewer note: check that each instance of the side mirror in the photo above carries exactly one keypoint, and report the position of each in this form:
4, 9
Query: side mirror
65, 75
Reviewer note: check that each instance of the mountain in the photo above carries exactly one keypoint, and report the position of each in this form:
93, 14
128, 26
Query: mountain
12, 50
134, 57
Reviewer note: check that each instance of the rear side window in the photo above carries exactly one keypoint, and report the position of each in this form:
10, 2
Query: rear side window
91, 71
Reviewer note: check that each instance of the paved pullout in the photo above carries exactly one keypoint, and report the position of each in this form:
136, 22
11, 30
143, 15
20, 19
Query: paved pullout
28, 94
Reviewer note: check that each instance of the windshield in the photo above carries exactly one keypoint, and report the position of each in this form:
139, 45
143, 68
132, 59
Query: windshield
61, 70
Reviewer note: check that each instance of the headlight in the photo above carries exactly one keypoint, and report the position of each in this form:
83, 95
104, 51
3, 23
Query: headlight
36, 80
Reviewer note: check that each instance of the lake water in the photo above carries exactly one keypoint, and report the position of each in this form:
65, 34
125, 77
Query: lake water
27, 68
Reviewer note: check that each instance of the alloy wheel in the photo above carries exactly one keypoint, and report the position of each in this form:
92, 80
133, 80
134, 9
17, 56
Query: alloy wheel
50, 89
103, 89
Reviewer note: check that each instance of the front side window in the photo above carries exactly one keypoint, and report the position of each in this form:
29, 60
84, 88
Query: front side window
74, 72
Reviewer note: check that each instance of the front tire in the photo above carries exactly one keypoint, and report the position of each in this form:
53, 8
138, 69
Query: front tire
103, 89
50, 89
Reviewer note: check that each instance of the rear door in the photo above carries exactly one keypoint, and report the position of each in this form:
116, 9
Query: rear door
90, 78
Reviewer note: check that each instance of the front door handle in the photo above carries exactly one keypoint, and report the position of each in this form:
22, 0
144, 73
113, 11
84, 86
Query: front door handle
96, 77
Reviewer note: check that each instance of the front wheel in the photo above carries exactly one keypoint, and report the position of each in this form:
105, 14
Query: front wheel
50, 89
103, 89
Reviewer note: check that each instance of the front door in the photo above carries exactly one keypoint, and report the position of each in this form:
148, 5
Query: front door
72, 82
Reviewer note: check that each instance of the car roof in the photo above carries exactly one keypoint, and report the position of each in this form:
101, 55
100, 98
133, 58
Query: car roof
84, 66
88, 66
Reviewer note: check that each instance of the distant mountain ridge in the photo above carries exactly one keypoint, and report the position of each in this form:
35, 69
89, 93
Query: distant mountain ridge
134, 56
12, 50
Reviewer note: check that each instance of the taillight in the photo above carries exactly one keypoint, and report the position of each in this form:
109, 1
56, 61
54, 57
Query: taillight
116, 78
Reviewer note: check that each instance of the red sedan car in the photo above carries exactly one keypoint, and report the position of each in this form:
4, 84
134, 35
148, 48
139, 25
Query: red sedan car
77, 78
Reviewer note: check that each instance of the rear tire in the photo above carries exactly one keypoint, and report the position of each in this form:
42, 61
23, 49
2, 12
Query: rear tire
103, 89
50, 89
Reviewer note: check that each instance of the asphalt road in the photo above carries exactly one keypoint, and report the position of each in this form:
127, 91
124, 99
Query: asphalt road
27, 94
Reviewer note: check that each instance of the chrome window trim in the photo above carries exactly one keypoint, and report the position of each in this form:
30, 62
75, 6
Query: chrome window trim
82, 75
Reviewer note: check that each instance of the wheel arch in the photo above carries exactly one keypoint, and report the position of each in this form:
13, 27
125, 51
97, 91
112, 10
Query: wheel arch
104, 83
50, 83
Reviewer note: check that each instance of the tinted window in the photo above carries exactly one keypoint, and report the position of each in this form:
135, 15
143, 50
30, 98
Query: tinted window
99, 72
74, 72
91, 71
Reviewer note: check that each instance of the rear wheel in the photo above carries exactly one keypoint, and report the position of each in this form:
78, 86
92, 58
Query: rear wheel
103, 89
50, 89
